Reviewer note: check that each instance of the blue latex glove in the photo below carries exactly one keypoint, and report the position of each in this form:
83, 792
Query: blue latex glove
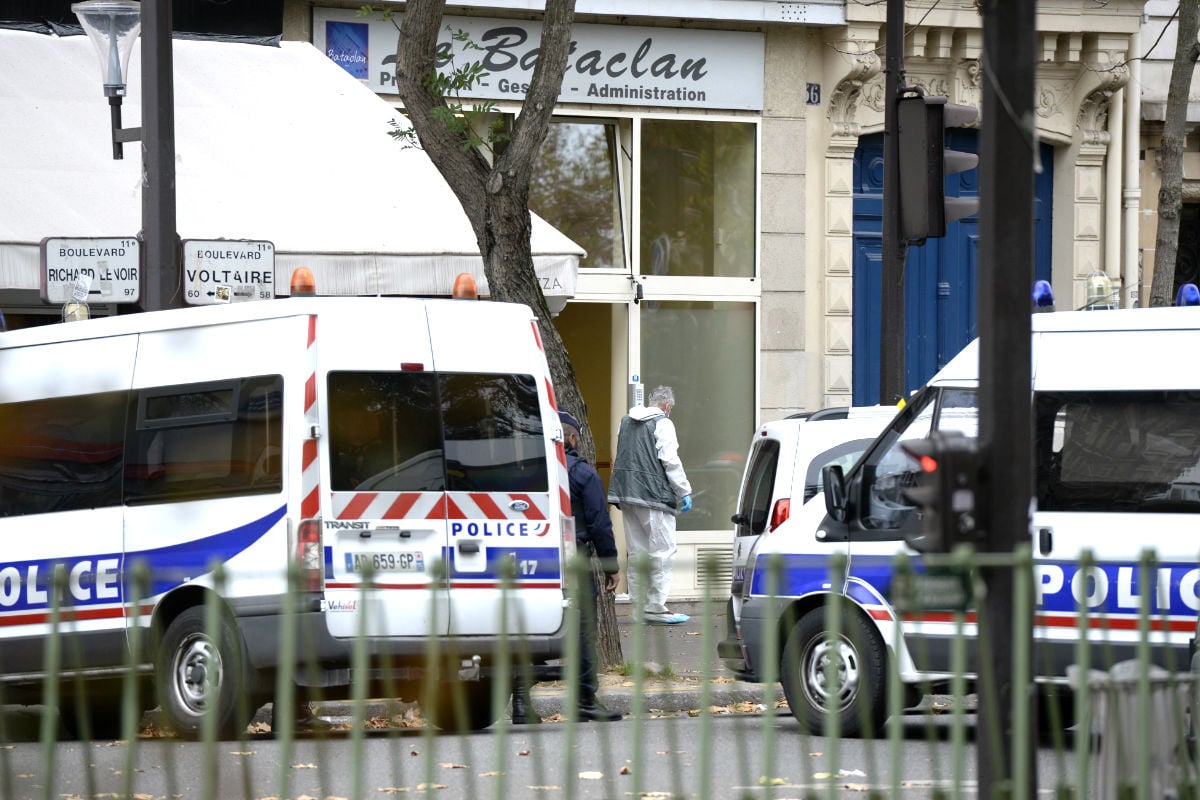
686, 505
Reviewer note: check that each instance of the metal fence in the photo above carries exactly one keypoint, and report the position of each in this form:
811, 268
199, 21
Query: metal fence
1114, 730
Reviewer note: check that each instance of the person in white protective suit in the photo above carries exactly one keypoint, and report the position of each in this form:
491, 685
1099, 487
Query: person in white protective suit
650, 487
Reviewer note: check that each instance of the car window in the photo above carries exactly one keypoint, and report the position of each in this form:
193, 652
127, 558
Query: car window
755, 503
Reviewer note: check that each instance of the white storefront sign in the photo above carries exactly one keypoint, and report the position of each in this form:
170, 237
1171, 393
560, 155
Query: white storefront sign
112, 265
608, 64
227, 271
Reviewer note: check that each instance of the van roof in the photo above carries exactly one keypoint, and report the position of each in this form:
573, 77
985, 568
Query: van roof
963, 369
200, 316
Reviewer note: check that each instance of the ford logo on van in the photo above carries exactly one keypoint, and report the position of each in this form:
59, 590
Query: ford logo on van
519, 505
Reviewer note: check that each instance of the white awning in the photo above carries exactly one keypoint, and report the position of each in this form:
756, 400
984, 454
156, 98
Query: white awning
272, 143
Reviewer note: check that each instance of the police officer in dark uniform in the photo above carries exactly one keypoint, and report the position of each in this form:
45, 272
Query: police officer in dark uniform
594, 535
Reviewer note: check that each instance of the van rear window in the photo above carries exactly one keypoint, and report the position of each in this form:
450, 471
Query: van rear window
1118, 451
424, 431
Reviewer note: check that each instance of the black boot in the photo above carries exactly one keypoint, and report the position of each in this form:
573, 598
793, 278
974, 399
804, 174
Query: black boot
593, 709
523, 712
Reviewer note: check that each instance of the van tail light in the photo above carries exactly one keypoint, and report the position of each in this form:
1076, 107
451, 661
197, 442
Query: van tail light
780, 513
308, 551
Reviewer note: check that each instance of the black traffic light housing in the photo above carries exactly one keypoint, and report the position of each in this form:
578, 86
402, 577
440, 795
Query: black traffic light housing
947, 490
925, 162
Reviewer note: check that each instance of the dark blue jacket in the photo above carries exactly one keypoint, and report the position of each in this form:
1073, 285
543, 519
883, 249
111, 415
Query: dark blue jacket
588, 505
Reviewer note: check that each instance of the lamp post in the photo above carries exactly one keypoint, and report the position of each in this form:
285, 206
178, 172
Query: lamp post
112, 25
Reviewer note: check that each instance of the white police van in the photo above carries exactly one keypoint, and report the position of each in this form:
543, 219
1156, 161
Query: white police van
415, 441
1117, 454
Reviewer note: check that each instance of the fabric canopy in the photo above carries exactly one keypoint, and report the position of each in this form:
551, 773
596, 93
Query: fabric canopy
276, 144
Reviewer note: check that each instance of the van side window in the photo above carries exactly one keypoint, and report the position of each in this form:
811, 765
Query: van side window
1118, 451
384, 432
493, 433
760, 483
61, 454
198, 441
843, 455
890, 471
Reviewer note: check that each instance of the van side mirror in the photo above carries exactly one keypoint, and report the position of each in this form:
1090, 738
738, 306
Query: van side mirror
835, 491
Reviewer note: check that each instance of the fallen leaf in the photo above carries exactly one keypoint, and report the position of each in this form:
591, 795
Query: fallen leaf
449, 765
545, 788
241, 753
259, 727
693, 712
304, 766
591, 776
491, 774
692, 633
424, 787
765, 781
523, 752
856, 787
392, 789
722, 679
626, 771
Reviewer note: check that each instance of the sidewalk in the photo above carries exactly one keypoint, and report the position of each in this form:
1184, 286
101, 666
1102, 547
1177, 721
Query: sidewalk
674, 657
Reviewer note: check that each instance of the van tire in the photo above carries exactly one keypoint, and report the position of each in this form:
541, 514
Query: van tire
189, 657
861, 663
463, 706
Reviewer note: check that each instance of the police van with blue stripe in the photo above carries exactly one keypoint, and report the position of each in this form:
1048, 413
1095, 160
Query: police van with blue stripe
1117, 473
317, 469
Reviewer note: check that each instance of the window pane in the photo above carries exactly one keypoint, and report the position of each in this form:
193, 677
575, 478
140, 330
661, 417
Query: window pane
1119, 451
574, 188
697, 198
63, 454
705, 352
206, 440
384, 432
494, 439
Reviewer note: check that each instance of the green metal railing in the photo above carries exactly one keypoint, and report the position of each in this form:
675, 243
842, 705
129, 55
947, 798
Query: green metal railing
1115, 749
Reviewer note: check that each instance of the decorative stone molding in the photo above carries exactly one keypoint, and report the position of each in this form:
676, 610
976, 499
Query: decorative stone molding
843, 102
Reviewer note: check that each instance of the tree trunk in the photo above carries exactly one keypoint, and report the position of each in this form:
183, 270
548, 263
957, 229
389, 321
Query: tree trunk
1170, 193
495, 197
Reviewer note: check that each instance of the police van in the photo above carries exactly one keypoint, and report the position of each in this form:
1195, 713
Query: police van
1117, 452
397, 462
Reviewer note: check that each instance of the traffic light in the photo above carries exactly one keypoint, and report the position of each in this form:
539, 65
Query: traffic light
946, 491
925, 162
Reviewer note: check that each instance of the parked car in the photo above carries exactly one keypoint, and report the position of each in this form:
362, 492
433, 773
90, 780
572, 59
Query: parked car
782, 480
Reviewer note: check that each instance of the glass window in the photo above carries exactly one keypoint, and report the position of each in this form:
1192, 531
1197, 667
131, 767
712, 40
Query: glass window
760, 484
1118, 451
890, 470
843, 455
574, 187
206, 440
697, 198
494, 440
62, 454
385, 434
705, 352
422, 432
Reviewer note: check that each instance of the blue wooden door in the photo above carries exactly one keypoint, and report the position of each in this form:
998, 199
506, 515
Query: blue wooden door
940, 276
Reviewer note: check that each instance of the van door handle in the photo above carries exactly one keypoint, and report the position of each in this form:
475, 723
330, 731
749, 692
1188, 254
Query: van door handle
468, 547
1045, 540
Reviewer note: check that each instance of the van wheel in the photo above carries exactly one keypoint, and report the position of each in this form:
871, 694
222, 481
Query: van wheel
463, 706
857, 688
198, 674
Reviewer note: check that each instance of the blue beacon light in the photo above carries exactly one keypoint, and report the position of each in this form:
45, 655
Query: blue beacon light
1188, 295
1043, 297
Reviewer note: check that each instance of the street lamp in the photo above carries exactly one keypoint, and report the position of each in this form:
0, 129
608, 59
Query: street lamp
113, 26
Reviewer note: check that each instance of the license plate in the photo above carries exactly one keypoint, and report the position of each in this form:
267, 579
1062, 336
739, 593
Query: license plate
385, 562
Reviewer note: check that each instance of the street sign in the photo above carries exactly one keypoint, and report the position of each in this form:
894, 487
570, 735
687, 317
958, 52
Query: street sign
112, 264
227, 271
